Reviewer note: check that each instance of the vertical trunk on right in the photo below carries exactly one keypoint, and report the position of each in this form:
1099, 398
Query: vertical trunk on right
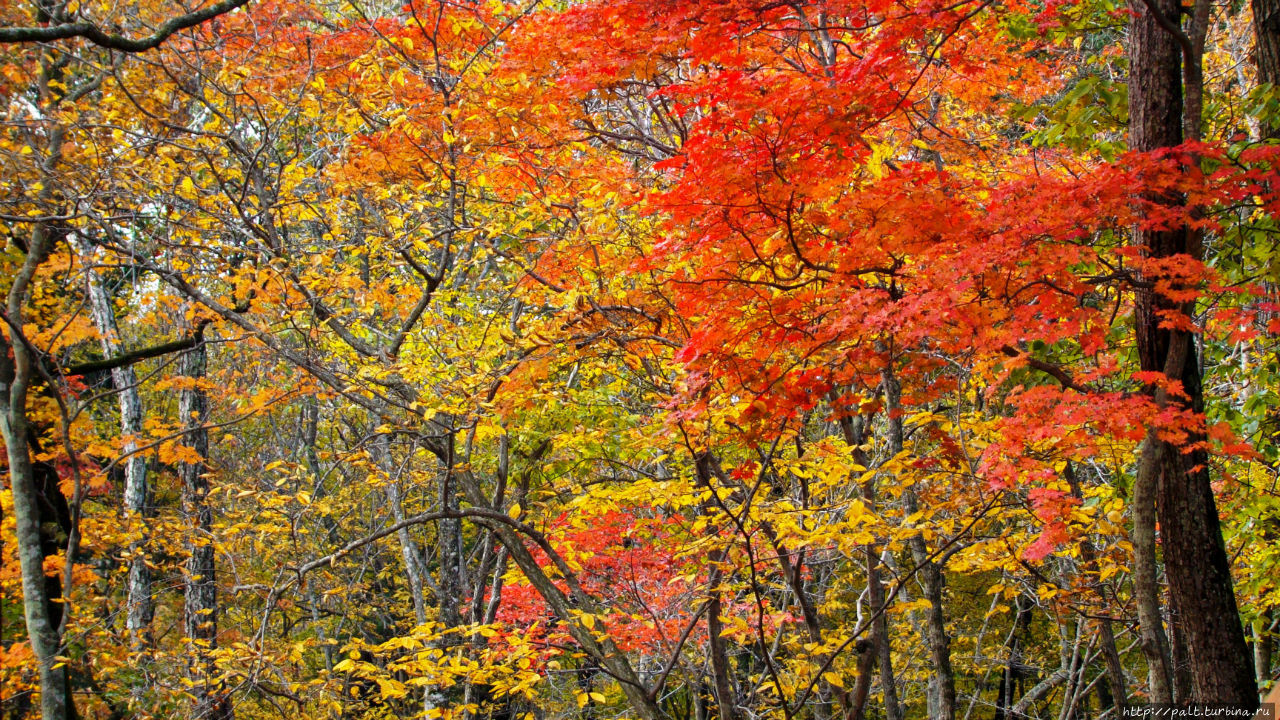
1263, 646
1266, 35
1195, 559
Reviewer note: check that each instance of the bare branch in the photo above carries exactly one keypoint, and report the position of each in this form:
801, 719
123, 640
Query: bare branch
95, 35
132, 357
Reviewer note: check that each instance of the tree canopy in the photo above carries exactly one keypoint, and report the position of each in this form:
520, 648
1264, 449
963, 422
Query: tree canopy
735, 359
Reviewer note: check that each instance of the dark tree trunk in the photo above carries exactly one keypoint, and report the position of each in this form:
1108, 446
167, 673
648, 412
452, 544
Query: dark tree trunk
201, 590
722, 684
1266, 35
1195, 559
1016, 670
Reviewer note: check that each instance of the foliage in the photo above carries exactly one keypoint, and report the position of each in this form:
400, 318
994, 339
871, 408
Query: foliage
643, 359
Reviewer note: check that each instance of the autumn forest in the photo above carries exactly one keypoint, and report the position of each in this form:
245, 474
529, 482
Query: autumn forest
654, 359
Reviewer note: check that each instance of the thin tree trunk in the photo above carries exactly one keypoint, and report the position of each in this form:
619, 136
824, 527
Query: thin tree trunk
1266, 35
721, 682
1263, 646
862, 686
880, 635
413, 565
1115, 670
1118, 691
881, 652
1196, 562
1146, 585
942, 683
449, 534
139, 606
201, 582
409, 551
725, 698
1015, 668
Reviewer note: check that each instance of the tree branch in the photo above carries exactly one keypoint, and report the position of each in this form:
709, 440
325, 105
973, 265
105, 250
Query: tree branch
130, 358
1054, 371
473, 512
95, 35
1170, 26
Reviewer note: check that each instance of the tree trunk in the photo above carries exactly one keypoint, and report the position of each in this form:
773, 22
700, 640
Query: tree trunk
1183, 683
722, 684
725, 698
1196, 562
449, 532
881, 651
880, 636
1015, 669
942, 682
1263, 646
201, 586
17, 371
139, 607
1266, 35
413, 564
1146, 585
1115, 688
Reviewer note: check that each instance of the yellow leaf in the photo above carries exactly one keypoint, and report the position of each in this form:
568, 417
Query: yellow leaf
391, 688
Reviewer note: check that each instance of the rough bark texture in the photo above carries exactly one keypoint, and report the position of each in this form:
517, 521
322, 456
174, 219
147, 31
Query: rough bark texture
201, 588
1266, 35
136, 493
725, 698
409, 550
1195, 559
